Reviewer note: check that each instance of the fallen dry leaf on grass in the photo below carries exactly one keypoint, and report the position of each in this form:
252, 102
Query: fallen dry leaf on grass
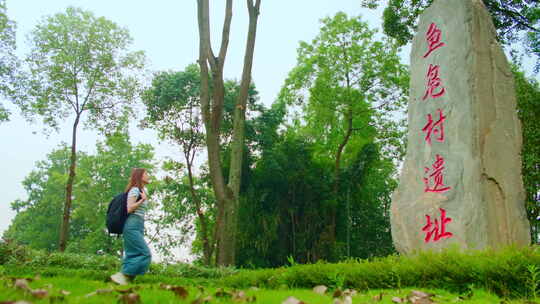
378, 297
178, 290
320, 289
21, 284
421, 301
350, 292
292, 300
238, 296
130, 298
39, 293
337, 293
420, 297
415, 297
221, 293
15, 302
165, 286
420, 294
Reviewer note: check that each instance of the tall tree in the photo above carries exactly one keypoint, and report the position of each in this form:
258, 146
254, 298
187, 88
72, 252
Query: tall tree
289, 193
515, 20
227, 195
8, 60
78, 64
38, 219
528, 98
347, 83
288, 190
187, 208
174, 111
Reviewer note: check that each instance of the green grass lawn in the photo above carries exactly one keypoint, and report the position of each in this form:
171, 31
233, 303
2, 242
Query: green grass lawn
504, 276
80, 289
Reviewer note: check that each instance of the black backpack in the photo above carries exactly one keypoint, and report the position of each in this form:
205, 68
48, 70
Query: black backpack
117, 213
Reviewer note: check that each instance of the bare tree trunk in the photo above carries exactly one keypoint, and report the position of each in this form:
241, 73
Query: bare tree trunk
64, 230
340, 150
235, 173
226, 195
339, 153
213, 112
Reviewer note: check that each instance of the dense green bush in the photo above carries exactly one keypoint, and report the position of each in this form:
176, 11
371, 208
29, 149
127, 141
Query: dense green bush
506, 272
31, 260
12, 254
190, 271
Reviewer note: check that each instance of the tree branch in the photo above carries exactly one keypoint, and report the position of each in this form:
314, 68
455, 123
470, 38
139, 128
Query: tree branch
226, 33
89, 90
516, 16
66, 95
103, 108
203, 55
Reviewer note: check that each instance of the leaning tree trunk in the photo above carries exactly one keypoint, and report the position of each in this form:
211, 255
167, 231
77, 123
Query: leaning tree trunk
64, 230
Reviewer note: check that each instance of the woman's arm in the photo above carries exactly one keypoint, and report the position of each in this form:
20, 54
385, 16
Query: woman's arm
133, 204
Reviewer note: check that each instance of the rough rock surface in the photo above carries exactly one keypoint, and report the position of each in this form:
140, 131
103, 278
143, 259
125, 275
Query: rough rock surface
469, 155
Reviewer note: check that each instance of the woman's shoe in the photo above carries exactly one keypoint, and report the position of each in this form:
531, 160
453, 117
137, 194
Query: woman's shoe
120, 278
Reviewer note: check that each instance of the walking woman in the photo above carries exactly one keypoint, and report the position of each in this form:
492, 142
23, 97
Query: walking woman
137, 255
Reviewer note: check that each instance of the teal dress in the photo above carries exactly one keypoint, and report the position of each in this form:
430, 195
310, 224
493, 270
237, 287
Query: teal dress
137, 255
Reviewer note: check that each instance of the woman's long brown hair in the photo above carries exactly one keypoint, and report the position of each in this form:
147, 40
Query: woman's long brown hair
136, 178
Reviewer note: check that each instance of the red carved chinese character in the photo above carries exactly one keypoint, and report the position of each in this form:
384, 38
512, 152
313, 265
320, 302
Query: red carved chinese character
437, 127
437, 229
433, 83
433, 37
437, 177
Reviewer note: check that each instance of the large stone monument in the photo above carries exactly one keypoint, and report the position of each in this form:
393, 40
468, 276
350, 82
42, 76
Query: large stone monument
461, 181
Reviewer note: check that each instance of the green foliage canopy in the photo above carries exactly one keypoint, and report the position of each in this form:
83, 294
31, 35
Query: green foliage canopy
528, 97
8, 61
515, 21
346, 79
79, 62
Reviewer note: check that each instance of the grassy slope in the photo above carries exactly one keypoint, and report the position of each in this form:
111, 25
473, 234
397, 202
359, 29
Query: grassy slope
153, 293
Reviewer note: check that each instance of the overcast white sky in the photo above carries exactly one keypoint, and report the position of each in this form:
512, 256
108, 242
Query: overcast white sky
167, 31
